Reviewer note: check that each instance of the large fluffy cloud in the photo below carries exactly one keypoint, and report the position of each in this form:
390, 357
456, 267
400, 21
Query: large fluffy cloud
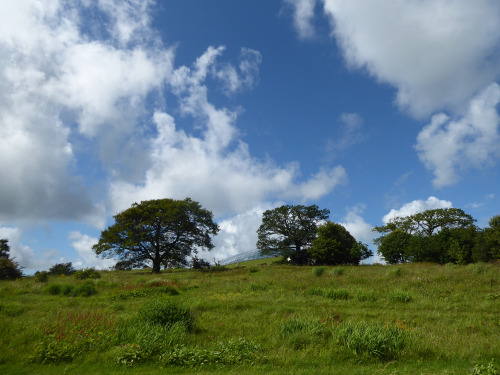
447, 145
437, 53
215, 167
416, 206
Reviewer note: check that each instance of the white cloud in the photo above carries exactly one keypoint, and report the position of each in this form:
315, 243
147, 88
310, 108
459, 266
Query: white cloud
303, 13
237, 234
416, 206
83, 243
437, 53
447, 146
60, 85
216, 167
356, 225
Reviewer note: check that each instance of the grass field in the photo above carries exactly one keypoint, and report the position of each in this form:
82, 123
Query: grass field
255, 318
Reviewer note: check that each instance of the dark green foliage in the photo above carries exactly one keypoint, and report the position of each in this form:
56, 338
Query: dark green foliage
53, 289
161, 232
87, 273
492, 237
4, 248
42, 277
166, 313
87, 289
394, 247
438, 236
335, 245
9, 269
62, 269
318, 271
288, 231
198, 264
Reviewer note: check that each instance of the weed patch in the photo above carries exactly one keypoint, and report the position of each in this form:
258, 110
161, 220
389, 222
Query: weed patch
166, 313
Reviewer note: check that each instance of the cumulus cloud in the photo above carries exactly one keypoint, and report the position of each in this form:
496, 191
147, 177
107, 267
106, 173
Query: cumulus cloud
447, 146
83, 243
61, 85
356, 224
437, 53
215, 167
416, 206
303, 13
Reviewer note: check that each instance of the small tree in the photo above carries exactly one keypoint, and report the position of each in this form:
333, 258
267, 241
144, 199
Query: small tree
393, 247
492, 237
335, 245
160, 232
9, 269
289, 230
62, 269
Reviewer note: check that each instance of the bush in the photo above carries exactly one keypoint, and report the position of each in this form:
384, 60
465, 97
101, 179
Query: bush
338, 271
53, 289
9, 270
62, 269
87, 273
199, 264
87, 289
166, 313
42, 277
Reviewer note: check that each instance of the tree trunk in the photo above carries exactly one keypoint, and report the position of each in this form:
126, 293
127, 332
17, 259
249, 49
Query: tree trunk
156, 267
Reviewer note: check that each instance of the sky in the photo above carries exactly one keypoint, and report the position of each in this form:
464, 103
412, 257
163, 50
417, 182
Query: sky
369, 109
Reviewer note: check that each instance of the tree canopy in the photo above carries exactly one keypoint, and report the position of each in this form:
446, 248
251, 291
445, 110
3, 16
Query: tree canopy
289, 230
9, 269
335, 245
440, 235
161, 232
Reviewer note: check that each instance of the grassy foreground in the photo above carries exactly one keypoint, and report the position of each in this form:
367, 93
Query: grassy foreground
272, 319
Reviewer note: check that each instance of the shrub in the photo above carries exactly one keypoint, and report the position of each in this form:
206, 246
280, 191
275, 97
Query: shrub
53, 289
9, 270
87, 273
166, 313
62, 269
318, 271
68, 290
372, 340
198, 264
42, 277
87, 289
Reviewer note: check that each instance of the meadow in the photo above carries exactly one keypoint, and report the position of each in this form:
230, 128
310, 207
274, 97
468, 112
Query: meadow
257, 317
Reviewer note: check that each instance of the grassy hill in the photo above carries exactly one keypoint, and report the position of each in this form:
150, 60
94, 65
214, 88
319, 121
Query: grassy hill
255, 318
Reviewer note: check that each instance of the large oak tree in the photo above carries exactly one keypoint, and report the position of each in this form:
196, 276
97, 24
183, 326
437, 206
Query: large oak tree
289, 230
161, 232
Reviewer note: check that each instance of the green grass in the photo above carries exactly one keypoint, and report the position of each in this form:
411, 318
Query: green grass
254, 319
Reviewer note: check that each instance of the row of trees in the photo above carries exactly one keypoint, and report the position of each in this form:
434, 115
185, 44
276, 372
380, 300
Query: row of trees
446, 235
165, 232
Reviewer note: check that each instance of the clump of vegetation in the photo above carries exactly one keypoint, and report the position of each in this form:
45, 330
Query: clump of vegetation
400, 296
373, 340
490, 369
318, 271
42, 277
87, 273
330, 293
338, 271
9, 269
72, 334
62, 269
166, 313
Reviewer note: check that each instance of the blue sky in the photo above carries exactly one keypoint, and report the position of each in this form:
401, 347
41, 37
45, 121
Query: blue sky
369, 109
